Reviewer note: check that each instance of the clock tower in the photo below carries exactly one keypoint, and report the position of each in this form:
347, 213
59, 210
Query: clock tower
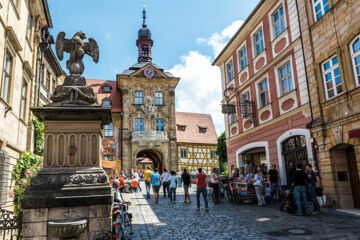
144, 42
148, 130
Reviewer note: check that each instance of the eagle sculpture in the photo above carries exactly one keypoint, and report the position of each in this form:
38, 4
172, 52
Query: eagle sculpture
77, 48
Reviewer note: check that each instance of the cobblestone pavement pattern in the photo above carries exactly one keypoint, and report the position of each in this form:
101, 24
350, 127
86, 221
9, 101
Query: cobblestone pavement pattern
227, 221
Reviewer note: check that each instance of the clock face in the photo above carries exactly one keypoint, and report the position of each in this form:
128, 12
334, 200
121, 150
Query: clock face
149, 72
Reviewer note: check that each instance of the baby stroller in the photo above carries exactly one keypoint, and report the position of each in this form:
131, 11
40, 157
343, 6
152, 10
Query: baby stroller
287, 198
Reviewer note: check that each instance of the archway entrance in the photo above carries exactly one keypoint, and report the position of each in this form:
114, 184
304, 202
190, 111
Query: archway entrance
295, 151
154, 156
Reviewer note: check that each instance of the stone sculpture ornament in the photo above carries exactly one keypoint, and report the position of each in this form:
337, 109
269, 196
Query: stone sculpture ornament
149, 109
74, 91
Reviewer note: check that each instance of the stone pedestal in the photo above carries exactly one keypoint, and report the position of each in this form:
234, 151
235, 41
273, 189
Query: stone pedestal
71, 196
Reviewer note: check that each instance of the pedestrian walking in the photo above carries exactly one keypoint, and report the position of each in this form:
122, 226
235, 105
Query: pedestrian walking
201, 189
147, 175
257, 182
312, 187
155, 182
298, 182
173, 183
274, 180
165, 182
186, 180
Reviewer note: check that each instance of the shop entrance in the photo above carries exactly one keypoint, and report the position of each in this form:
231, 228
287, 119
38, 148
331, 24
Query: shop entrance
254, 158
354, 175
294, 151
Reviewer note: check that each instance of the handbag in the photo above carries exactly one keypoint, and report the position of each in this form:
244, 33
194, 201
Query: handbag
319, 191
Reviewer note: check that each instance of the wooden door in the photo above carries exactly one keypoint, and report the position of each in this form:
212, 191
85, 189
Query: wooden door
354, 176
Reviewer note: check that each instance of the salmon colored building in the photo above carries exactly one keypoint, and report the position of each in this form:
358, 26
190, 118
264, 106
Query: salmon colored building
110, 97
263, 77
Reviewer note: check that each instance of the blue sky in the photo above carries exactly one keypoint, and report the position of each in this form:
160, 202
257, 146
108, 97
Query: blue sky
187, 35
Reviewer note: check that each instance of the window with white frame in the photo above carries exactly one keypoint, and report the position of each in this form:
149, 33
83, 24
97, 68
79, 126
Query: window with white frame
183, 153
159, 98
23, 100
230, 70
259, 41
332, 78
278, 19
213, 154
6, 81
160, 126
242, 58
245, 97
320, 7
263, 90
285, 79
139, 124
233, 118
109, 130
355, 53
106, 103
138, 97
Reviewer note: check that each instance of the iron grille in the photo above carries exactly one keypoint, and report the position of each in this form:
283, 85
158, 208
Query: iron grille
10, 226
247, 109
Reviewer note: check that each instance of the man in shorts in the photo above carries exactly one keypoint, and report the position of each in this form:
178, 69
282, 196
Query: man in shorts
186, 180
155, 182
147, 175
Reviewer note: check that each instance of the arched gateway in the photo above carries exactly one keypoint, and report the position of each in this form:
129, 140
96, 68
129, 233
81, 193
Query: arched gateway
153, 155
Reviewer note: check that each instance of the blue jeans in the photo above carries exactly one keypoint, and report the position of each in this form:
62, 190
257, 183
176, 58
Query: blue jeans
172, 194
312, 192
166, 188
204, 194
300, 194
147, 185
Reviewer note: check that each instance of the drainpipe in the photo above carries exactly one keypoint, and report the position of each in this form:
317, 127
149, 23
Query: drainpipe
313, 144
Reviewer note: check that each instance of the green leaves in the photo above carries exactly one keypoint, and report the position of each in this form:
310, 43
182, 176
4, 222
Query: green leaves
27, 166
222, 153
38, 136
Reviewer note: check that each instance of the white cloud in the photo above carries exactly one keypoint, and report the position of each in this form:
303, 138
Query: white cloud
199, 89
218, 40
109, 36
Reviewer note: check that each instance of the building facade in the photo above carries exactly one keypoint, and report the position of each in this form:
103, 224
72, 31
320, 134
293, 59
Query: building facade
196, 142
109, 96
263, 76
148, 104
21, 23
331, 37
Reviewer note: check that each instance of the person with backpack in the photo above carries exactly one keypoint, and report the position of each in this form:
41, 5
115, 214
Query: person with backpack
172, 184
201, 189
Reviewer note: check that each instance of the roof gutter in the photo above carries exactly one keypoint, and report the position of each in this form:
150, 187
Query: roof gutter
47, 13
238, 31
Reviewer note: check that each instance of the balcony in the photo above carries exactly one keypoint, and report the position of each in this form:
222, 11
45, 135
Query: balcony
150, 138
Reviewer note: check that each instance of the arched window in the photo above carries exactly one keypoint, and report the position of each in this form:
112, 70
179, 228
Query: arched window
106, 103
144, 50
355, 55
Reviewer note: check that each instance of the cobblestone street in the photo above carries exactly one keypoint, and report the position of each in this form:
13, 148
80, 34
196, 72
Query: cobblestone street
227, 221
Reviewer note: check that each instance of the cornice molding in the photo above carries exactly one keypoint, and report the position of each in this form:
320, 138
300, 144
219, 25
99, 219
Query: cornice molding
10, 33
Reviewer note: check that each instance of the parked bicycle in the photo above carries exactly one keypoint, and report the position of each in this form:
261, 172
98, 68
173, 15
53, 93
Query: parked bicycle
122, 226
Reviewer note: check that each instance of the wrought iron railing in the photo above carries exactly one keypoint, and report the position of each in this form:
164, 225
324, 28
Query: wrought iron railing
10, 225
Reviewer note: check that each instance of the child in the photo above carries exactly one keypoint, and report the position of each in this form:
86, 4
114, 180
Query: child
267, 193
173, 183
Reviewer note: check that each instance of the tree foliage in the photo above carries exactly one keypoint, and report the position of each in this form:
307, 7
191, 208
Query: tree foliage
222, 153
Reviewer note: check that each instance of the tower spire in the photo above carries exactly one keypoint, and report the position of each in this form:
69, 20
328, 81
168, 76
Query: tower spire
144, 17
144, 41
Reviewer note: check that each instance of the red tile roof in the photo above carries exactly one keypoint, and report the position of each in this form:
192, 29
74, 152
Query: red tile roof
193, 123
114, 95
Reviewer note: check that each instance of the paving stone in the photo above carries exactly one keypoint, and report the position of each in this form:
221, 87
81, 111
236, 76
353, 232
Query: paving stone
227, 221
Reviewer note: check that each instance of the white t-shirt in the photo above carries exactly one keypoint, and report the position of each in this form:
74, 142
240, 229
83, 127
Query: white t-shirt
165, 176
173, 181
136, 175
